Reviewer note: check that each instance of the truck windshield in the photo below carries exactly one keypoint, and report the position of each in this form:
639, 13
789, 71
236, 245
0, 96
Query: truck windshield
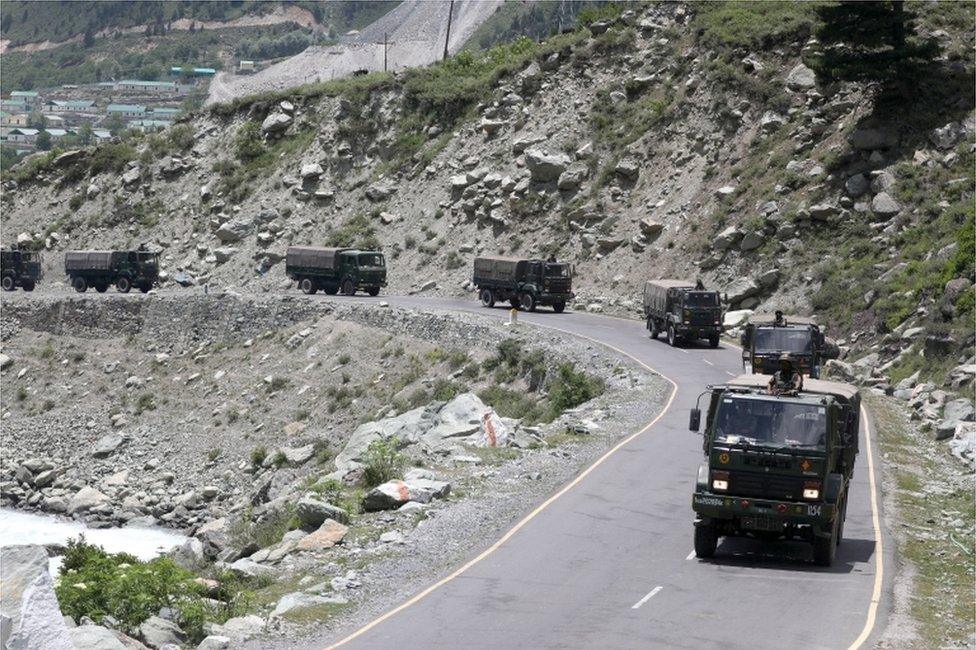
700, 299
770, 423
371, 259
557, 270
779, 339
146, 258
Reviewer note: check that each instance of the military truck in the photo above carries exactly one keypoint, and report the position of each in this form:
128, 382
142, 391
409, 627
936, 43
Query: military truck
776, 466
685, 311
19, 268
101, 269
336, 269
765, 338
524, 283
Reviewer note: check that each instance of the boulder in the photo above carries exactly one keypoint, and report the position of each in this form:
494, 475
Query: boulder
96, 637
751, 241
884, 206
650, 228
840, 370
946, 137
85, 499
29, 612
189, 554
770, 122
381, 191
157, 632
234, 230
856, 186
545, 168
736, 317
955, 288
313, 512
959, 410
240, 628
823, 211
882, 181
276, 123
215, 536
740, 289
311, 171
329, 534
5, 361
727, 238
523, 143
801, 78
391, 494
963, 443
215, 642
298, 455
300, 600
249, 568
131, 177
628, 168
572, 178
872, 138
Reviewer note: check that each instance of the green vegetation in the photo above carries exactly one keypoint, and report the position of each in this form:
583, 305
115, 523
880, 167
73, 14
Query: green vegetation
340, 495
941, 553
265, 532
753, 25
258, 455
97, 584
356, 232
382, 462
539, 20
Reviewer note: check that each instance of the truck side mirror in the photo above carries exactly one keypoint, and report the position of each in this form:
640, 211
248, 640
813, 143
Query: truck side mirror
694, 420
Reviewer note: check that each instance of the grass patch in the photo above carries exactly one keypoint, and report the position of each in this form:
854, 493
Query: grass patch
382, 462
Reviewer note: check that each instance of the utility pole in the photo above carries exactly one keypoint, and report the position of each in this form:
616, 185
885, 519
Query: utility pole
447, 39
386, 43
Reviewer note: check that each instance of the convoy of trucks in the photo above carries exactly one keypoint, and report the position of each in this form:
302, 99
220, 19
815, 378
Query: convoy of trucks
524, 283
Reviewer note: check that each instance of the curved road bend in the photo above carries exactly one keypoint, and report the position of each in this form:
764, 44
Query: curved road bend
609, 563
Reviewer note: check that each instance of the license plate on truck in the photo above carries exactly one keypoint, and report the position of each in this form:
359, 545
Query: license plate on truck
761, 523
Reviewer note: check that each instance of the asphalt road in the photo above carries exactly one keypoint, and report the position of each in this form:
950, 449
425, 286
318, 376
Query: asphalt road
609, 563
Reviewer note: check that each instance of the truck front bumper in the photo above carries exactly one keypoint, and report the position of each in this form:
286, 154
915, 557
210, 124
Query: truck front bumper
700, 331
548, 298
748, 514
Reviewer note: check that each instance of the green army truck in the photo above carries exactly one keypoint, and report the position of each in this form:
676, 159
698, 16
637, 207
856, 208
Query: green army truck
19, 268
101, 269
524, 283
685, 311
764, 338
336, 269
776, 466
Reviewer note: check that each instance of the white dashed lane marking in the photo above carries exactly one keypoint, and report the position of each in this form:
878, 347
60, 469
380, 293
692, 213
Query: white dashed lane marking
646, 598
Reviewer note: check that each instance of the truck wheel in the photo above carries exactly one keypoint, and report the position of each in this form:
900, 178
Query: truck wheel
28, 285
672, 337
307, 286
145, 287
706, 540
558, 307
348, 288
79, 284
843, 518
373, 291
8, 283
527, 301
713, 340
123, 284
101, 287
825, 548
652, 325
487, 298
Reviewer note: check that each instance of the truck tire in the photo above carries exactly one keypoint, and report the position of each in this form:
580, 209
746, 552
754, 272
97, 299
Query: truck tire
706, 540
28, 285
145, 287
80, 285
527, 302
487, 298
101, 287
672, 337
825, 548
348, 287
307, 286
559, 307
8, 283
652, 325
373, 291
123, 284
843, 518
331, 290
713, 340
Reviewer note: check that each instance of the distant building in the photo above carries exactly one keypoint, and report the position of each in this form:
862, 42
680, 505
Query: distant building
126, 110
54, 120
246, 66
69, 105
165, 112
56, 134
158, 87
22, 135
149, 125
13, 119
26, 97
180, 71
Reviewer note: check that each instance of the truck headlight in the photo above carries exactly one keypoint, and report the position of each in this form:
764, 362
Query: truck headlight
720, 481
811, 490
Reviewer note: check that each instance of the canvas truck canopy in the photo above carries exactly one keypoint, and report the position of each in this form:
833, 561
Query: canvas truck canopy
308, 256
656, 292
769, 319
842, 391
88, 260
496, 268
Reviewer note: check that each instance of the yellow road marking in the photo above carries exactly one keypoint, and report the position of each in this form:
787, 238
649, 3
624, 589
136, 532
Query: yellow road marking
879, 550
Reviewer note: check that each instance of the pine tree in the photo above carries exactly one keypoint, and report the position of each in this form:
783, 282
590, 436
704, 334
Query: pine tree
870, 41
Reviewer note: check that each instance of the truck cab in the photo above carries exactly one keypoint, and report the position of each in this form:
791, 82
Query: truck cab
775, 466
765, 338
20, 268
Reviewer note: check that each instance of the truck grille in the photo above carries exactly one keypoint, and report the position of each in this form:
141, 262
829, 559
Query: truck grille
766, 486
702, 318
559, 286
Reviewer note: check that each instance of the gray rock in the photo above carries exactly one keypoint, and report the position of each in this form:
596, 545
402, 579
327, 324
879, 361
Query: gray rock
28, 607
276, 123
751, 241
884, 206
391, 494
959, 410
650, 229
300, 600
545, 168
131, 177
882, 181
572, 178
946, 137
840, 370
240, 629
311, 171
250, 569
298, 455
856, 186
727, 238
313, 512
771, 121
96, 637
823, 211
740, 289
5, 361
189, 554
85, 499
215, 642
801, 78
157, 632
872, 138
628, 168
381, 191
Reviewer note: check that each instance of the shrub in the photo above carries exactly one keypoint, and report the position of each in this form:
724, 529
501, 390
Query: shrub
258, 455
248, 144
382, 462
570, 388
112, 157
181, 136
510, 403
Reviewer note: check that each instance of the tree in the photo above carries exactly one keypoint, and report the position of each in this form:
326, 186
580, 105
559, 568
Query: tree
871, 41
114, 123
43, 141
86, 133
36, 120
89, 39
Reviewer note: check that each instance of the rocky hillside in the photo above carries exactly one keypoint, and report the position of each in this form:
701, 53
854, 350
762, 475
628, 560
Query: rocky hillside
671, 140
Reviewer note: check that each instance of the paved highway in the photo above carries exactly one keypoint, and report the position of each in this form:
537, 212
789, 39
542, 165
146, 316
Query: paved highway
607, 562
